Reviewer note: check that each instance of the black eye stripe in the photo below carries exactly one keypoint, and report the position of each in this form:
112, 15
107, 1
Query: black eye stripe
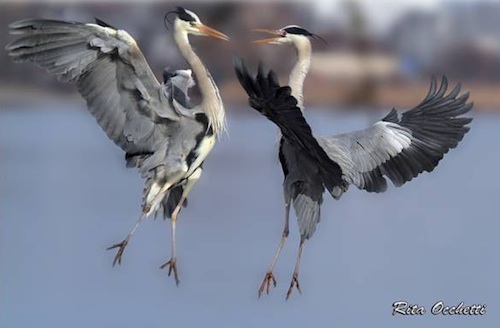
182, 13
297, 30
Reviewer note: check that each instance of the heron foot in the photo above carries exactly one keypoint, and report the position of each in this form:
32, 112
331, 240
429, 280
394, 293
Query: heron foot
294, 283
172, 267
121, 247
266, 284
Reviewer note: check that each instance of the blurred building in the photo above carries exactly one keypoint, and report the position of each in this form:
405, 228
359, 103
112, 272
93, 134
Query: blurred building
363, 61
460, 39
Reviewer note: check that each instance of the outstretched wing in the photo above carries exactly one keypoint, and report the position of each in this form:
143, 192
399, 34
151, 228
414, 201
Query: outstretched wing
280, 107
402, 147
110, 72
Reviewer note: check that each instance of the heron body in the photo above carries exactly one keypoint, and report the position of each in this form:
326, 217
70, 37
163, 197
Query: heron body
398, 147
162, 134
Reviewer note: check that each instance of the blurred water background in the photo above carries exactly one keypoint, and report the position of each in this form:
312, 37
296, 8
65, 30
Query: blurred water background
65, 194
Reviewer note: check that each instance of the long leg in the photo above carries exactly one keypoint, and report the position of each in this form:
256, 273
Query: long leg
121, 245
172, 263
295, 277
154, 195
269, 277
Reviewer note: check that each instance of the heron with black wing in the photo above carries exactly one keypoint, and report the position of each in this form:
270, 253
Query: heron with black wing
161, 135
398, 147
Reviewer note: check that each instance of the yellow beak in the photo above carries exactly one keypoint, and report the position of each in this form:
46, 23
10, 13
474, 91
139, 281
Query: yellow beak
208, 31
267, 40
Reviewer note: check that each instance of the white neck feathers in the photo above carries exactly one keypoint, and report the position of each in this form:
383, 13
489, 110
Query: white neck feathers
300, 70
211, 101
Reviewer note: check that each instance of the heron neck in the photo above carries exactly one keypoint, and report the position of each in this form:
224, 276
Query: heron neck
299, 72
211, 101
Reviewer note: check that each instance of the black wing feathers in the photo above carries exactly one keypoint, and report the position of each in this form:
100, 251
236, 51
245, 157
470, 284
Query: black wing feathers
280, 107
103, 23
435, 127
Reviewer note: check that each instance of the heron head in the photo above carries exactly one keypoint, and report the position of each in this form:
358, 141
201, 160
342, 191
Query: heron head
188, 22
291, 34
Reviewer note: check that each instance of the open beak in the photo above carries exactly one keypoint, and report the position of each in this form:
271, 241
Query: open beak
268, 40
208, 31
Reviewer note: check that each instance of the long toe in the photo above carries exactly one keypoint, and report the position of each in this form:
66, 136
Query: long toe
266, 284
171, 265
293, 283
121, 247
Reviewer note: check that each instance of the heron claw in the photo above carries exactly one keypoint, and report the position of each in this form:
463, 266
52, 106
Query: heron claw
266, 284
295, 282
172, 267
118, 256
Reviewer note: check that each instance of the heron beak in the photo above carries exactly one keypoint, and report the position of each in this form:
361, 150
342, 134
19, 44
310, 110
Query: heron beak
208, 31
267, 40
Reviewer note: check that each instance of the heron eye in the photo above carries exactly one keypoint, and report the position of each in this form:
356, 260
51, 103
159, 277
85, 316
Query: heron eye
283, 34
192, 24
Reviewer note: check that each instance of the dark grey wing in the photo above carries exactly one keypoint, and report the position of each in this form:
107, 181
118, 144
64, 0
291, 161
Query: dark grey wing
280, 107
110, 72
400, 148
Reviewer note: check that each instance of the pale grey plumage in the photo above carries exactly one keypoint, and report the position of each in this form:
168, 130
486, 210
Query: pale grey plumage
121, 91
162, 134
178, 84
400, 148
109, 71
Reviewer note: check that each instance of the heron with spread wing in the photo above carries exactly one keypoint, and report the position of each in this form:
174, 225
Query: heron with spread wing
398, 147
165, 138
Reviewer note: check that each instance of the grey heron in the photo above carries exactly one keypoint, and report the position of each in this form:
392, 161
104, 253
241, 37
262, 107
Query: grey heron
161, 135
398, 147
